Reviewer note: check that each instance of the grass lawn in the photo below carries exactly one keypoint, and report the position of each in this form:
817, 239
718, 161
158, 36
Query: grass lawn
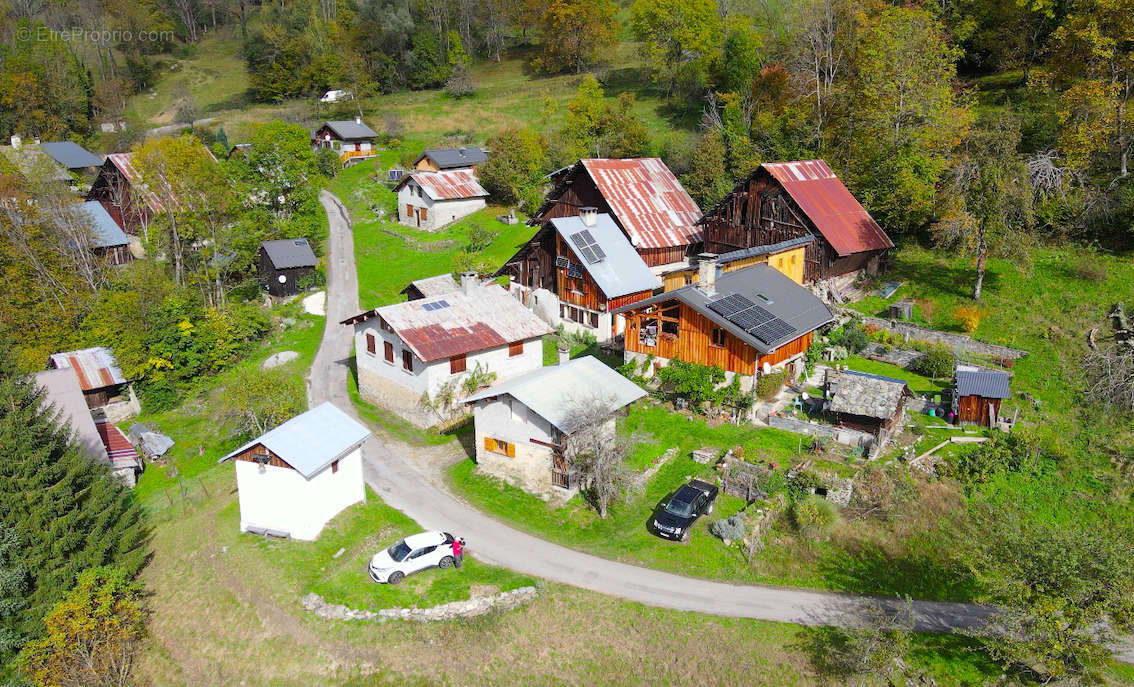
389, 256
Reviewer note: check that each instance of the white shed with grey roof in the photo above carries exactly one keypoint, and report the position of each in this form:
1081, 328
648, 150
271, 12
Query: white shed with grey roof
524, 425
295, 478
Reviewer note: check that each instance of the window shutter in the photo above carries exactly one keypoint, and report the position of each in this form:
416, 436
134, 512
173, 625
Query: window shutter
389, 350
370, 344
511, 450
489, 444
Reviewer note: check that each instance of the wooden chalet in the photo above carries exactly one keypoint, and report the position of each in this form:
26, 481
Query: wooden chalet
641, 195
441, 159
978, 393
786, 200
865, 402
119, 188
283, 263
100, 378
593, 270
746, 322
351, 139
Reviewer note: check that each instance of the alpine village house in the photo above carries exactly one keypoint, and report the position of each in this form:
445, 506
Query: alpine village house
788, 200
411, 356
351, 139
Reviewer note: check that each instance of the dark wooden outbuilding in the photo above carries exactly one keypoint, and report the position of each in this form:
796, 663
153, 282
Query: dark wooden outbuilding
283, 264
978, 394
786, 200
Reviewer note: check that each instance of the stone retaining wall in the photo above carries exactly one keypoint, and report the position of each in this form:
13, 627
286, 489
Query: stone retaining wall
504, 601
842, 435
960, 343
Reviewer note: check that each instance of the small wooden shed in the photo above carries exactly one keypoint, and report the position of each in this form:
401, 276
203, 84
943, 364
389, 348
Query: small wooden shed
978, 393
283, 263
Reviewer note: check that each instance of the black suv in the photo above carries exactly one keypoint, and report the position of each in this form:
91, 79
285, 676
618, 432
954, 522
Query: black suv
675, 517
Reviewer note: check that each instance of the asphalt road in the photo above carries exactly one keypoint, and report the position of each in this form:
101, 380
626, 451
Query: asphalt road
406, 488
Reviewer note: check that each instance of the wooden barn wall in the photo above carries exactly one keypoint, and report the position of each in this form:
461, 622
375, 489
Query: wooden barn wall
534, 265
791, 348
975, 409
582, 292
260, 448
789, 263
764, 213
694, 342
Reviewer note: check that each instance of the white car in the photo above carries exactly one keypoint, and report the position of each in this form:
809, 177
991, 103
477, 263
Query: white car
335, 96
414, 553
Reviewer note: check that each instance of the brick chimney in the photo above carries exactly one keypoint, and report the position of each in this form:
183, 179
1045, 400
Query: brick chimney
707, 273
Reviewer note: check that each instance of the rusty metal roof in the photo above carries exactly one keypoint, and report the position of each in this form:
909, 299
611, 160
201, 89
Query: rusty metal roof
456, 323
648, 200
96, 367
118, 448
453, 184
124, 162
838, 216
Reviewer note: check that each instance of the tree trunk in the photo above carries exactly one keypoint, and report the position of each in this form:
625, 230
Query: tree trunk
982, 258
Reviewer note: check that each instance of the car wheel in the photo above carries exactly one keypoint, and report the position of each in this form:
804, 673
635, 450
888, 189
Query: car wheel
685, 536
709, 510
396, 577
446, 562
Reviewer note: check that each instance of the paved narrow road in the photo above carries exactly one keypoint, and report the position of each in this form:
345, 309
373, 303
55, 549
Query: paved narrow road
404, 487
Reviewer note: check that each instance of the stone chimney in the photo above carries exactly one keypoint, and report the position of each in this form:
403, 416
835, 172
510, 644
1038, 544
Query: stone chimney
707, 273
358, 120
589, 215
16, 141
564, 355
469, 283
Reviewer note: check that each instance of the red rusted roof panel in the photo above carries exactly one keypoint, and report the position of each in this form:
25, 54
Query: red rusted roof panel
452, 184
840, 218
118, 447
95, 367
648, 200
456, 323
125, 164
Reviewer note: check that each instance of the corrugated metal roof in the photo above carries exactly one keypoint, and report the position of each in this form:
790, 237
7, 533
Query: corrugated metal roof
289, 253
96, 367
459, 323
349, 129
861, 393
797, 307
124, 162
554, 392
118, 448
842, 220
648, 201
450, 185
434, 286
974, 381
453, 158
63, 391
107, 233
622, 271
71, 155
311, 441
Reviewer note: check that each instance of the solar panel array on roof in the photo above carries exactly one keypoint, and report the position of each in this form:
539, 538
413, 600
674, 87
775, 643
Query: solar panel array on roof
436, 305
730, 305
772, 330
588, 247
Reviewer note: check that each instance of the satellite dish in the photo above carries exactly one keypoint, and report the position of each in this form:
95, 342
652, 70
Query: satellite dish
767, 368
283, 278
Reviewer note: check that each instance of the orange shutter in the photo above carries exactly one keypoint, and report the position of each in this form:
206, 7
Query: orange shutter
489, 444
511, 450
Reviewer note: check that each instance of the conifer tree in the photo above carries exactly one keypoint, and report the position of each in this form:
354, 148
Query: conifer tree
66, 511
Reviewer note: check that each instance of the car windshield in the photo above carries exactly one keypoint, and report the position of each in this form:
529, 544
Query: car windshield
399, 551
680, 508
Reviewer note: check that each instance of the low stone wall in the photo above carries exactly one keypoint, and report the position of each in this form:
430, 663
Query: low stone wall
504, 601
960, 343
842, 435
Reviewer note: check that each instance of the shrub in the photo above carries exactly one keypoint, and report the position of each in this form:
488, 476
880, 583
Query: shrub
731, 528
480, 237
937, 362
814, 516
969, 317
768, 385
1089, 269
698, 383
1005, 453
853, 338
